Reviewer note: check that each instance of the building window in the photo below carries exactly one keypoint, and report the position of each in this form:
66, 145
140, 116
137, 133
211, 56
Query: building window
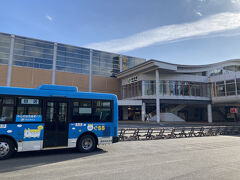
33, 53
238, 86
73, 59
4, 48
220, 88
230, 87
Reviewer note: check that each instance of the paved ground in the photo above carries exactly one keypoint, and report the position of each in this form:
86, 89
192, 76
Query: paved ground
188, 158
140, 124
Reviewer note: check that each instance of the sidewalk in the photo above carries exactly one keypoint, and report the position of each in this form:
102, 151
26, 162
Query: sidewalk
140, 124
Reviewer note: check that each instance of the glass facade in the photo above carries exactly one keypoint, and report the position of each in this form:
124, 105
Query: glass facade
226, 88
132, 90
148, 88
224, 70
166, 88
105, 64
129, 62
108, 64
4, 48
33, 53
72, 59
182, 88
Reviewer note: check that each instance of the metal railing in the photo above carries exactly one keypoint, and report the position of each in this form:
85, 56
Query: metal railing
136, 134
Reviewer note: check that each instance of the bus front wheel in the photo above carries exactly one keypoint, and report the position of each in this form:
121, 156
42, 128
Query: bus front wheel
86, 143
6, 148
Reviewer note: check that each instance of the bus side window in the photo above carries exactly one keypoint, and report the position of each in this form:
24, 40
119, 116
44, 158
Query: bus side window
6, 109
102, 111
82, 111
28, 106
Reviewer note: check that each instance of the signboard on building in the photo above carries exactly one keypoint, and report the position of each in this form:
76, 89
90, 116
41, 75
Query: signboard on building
132, 79
233, 110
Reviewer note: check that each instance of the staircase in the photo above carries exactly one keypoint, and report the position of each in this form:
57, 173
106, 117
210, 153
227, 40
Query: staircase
177, 108
167, 117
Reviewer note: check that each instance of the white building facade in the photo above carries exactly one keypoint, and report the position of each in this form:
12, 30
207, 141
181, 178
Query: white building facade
160, 91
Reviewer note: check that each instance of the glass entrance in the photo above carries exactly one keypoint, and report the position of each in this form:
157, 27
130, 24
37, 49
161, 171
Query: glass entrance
56, 125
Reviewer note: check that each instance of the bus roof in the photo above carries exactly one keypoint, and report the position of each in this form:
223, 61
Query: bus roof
55, 91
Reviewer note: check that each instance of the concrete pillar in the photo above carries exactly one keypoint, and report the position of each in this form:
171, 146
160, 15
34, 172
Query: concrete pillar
143, 111
125, 112
236, 93
209, 109
54, 63
143, 88
90, 71
157, 97
10, 61
121, 91
225, 88
121, 63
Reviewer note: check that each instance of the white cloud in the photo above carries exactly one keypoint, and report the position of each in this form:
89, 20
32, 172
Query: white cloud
213, 24
198, 13
49, 17
235, 1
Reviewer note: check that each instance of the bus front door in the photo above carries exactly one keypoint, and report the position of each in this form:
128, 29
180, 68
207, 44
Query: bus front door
56, 125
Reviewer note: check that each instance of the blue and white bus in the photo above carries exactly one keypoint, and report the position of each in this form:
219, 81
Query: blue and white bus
53, 116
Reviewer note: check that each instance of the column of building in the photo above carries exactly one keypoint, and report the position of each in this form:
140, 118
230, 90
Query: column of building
157, 96
143, 111
209, 110
90, 70
10, 61
54, 63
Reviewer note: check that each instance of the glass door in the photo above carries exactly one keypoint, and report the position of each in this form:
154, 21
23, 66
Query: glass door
56, 124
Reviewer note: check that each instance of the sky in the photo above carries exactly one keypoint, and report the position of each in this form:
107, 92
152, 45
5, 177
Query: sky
175, 31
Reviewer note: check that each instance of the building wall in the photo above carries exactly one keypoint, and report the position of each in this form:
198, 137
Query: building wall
3, 74
106, 85
29, 77
73, 79
32, 78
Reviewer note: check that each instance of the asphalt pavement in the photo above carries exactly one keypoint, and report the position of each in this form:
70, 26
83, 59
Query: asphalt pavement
187, 158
